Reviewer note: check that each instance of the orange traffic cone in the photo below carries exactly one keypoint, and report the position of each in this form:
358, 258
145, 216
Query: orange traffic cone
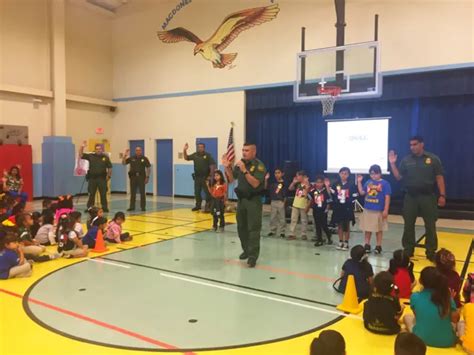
350, 303
99, 243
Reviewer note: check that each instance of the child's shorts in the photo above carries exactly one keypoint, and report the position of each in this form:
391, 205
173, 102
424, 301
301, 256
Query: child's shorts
372, 221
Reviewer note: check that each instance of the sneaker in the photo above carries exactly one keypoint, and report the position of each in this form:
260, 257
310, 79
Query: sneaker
252, 262
378, 249
329, 241
282, 235
367, 248
54, 256
304, 237
271, 234
291, 237
194, 209
346, 246
340, 246
243, 256
319, 243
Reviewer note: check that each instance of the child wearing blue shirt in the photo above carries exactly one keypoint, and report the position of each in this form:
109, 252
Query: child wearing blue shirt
377, 202
90, 237
12, 259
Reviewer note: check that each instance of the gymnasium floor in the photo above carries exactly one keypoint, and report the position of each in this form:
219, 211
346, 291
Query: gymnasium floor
179, 287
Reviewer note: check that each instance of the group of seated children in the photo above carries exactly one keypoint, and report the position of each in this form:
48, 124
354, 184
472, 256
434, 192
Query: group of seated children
436, 307
323, 196
23, 238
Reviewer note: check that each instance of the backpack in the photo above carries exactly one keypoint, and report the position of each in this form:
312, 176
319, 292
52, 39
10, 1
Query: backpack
64, 243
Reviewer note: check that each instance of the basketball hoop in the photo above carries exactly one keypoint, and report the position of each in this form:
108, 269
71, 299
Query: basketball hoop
329, 96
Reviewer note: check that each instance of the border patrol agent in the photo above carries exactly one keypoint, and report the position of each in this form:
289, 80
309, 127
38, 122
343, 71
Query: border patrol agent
204, 166
100, 170
139, 175
250, 174
420, 172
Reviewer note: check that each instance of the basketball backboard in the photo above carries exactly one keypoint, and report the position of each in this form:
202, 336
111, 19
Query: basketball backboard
353, 67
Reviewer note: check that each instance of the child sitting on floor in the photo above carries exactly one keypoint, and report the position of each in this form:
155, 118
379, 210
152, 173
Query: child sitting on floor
434, 310
382, 310
446, 264
409, 344
329, 342
466, 326
46, 234
114, 230
402, 270
69, 242
360, 268
99, 224
12, 259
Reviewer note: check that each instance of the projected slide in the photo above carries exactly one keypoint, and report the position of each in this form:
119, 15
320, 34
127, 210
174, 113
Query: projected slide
357, 144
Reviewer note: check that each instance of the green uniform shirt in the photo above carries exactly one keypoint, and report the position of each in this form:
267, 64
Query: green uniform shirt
419, 173
202, 163
98, 164
138, 164
255, 168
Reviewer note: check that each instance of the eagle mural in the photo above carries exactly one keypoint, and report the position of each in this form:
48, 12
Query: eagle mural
229, 29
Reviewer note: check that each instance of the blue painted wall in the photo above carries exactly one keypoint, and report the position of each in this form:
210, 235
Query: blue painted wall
37, 180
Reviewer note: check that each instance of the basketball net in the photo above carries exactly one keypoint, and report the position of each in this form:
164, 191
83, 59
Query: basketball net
329, 96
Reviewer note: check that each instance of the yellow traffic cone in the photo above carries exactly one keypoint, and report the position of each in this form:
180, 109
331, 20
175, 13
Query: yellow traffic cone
350, 303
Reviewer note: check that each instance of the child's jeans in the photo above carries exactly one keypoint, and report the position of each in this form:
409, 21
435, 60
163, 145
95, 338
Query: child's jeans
296, 214
321, 223
22, 195
277, 218
218, 210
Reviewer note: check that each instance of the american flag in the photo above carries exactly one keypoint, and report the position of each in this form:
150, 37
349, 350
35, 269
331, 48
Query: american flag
230, 155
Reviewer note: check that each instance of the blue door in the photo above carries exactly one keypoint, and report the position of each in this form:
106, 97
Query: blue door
211, 147
137, 143
164, 167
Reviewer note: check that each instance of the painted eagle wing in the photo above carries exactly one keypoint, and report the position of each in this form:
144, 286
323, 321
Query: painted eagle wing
178, 34
240, 21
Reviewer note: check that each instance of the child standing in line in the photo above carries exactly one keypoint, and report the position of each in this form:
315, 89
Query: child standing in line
277, 202
46, 234
320, 199
218, 191
99, 224
446, 264
114, 230
402, 270
12, 259
377, 193
343, 194
301, 187
382, 310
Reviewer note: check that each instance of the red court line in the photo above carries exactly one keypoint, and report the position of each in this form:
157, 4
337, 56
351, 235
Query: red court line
284, 271
98, 322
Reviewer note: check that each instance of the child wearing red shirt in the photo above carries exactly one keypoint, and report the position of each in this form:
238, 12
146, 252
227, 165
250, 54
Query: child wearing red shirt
218, 191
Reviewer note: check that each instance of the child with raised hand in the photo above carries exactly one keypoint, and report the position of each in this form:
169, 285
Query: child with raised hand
445, 262
382, 310
377, 193
277, 192
343, 194
301, 187
434, 310
360, 268
46, 233
12, 259
99, 224
218, 190
320, 199
69, 241
114, 230
402, 270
